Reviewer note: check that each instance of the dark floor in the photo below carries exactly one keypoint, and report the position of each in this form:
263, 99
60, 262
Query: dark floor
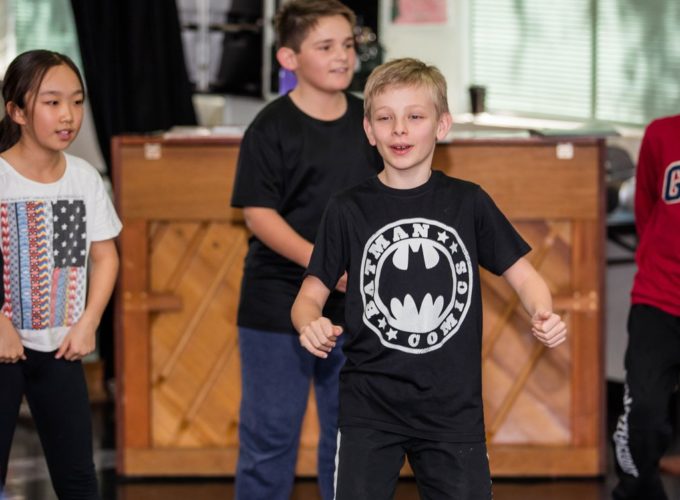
28, 479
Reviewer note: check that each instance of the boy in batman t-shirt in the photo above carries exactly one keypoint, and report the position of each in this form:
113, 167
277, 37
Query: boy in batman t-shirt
411, 240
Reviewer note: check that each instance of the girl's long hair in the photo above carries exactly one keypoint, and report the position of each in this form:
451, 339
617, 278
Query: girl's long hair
25, 74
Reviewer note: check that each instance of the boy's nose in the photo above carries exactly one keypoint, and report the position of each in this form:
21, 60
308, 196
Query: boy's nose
342, 52
399, 127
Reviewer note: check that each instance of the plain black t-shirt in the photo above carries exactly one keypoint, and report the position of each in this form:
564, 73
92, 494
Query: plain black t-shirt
293, 163
413, 321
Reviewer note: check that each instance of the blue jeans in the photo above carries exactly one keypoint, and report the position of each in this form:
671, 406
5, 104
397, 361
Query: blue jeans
276, 374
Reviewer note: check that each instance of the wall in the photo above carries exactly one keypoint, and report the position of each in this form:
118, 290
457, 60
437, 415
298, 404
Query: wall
444, 45
7, 43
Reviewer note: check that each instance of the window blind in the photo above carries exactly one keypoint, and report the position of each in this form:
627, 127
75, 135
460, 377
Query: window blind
612, 60
46, 24
638, 52
533, 57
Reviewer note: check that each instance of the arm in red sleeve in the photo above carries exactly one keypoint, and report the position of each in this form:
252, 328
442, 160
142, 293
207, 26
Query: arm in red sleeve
646, 190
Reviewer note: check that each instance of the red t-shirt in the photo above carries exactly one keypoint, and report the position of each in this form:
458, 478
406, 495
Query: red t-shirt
657, 217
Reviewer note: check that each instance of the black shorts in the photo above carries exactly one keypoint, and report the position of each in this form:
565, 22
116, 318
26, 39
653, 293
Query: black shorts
369, 462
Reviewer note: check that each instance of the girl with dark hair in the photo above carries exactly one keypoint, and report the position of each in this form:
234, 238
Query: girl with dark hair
55, 217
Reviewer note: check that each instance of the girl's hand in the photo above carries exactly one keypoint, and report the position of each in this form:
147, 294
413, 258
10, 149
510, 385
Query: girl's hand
319, 336
549, 328
79, 342
11, 348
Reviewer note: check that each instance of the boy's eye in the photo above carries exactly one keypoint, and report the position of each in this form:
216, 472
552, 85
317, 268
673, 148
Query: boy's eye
349, 45
416, 117
325, 47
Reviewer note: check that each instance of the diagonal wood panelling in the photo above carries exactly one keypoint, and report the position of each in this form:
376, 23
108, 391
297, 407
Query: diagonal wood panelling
527, 382
194, 349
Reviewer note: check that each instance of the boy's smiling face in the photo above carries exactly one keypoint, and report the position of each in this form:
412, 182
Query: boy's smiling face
404, 126
326, 58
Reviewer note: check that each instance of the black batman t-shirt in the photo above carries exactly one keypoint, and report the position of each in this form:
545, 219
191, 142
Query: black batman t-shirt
413, 307
293, 163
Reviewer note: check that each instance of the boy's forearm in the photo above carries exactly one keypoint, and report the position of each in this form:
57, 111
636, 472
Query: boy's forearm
273, 230
304, 311
529, 286
535, 295
309, 303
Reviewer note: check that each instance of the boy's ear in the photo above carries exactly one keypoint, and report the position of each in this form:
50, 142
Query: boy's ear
15, 113
369, 131
287, 58
444, 125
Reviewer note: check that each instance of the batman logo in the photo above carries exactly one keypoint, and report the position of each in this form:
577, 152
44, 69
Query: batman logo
416, 284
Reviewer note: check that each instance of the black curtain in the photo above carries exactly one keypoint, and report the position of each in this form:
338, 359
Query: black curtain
133, 62
137, 82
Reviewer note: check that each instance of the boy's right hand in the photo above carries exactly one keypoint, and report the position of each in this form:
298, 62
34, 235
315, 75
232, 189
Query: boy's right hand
320, 336
11, 348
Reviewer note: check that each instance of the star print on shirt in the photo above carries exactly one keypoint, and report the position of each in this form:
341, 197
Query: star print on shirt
70, 233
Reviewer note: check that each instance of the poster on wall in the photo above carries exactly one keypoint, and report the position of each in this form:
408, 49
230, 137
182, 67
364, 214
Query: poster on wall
419, 11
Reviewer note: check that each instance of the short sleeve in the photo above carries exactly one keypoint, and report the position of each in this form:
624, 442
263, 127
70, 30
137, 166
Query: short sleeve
499, 245
329, 258
259, 170
105, 223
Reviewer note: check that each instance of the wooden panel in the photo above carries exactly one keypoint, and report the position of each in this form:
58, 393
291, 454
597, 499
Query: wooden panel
529, 181
182, 251
529, 382
132, 342
528, 461
179, 184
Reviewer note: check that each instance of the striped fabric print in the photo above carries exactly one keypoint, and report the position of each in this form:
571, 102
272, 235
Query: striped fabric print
7, 284
12, 263
74, 299
40, 264
58, 300
44, 253
24, 261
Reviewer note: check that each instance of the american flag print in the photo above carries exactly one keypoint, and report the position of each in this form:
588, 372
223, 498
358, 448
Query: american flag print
44, 255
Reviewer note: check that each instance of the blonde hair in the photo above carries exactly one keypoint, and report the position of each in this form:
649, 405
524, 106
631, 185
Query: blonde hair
406, 72
296, 18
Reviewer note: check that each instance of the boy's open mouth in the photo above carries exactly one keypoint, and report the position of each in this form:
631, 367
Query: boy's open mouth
401, 148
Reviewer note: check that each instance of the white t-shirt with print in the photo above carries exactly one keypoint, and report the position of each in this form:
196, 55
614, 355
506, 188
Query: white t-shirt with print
45, 236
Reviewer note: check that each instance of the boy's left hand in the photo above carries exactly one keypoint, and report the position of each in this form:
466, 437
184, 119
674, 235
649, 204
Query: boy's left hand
548, 328
79, 342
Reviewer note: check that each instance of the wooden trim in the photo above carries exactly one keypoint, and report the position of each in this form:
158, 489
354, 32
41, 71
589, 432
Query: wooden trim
135, 140
179, 461
133, 371
538, 461
506, 461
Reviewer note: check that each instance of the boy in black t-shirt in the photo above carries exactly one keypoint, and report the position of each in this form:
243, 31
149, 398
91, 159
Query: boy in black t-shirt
411, 240
298, 151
